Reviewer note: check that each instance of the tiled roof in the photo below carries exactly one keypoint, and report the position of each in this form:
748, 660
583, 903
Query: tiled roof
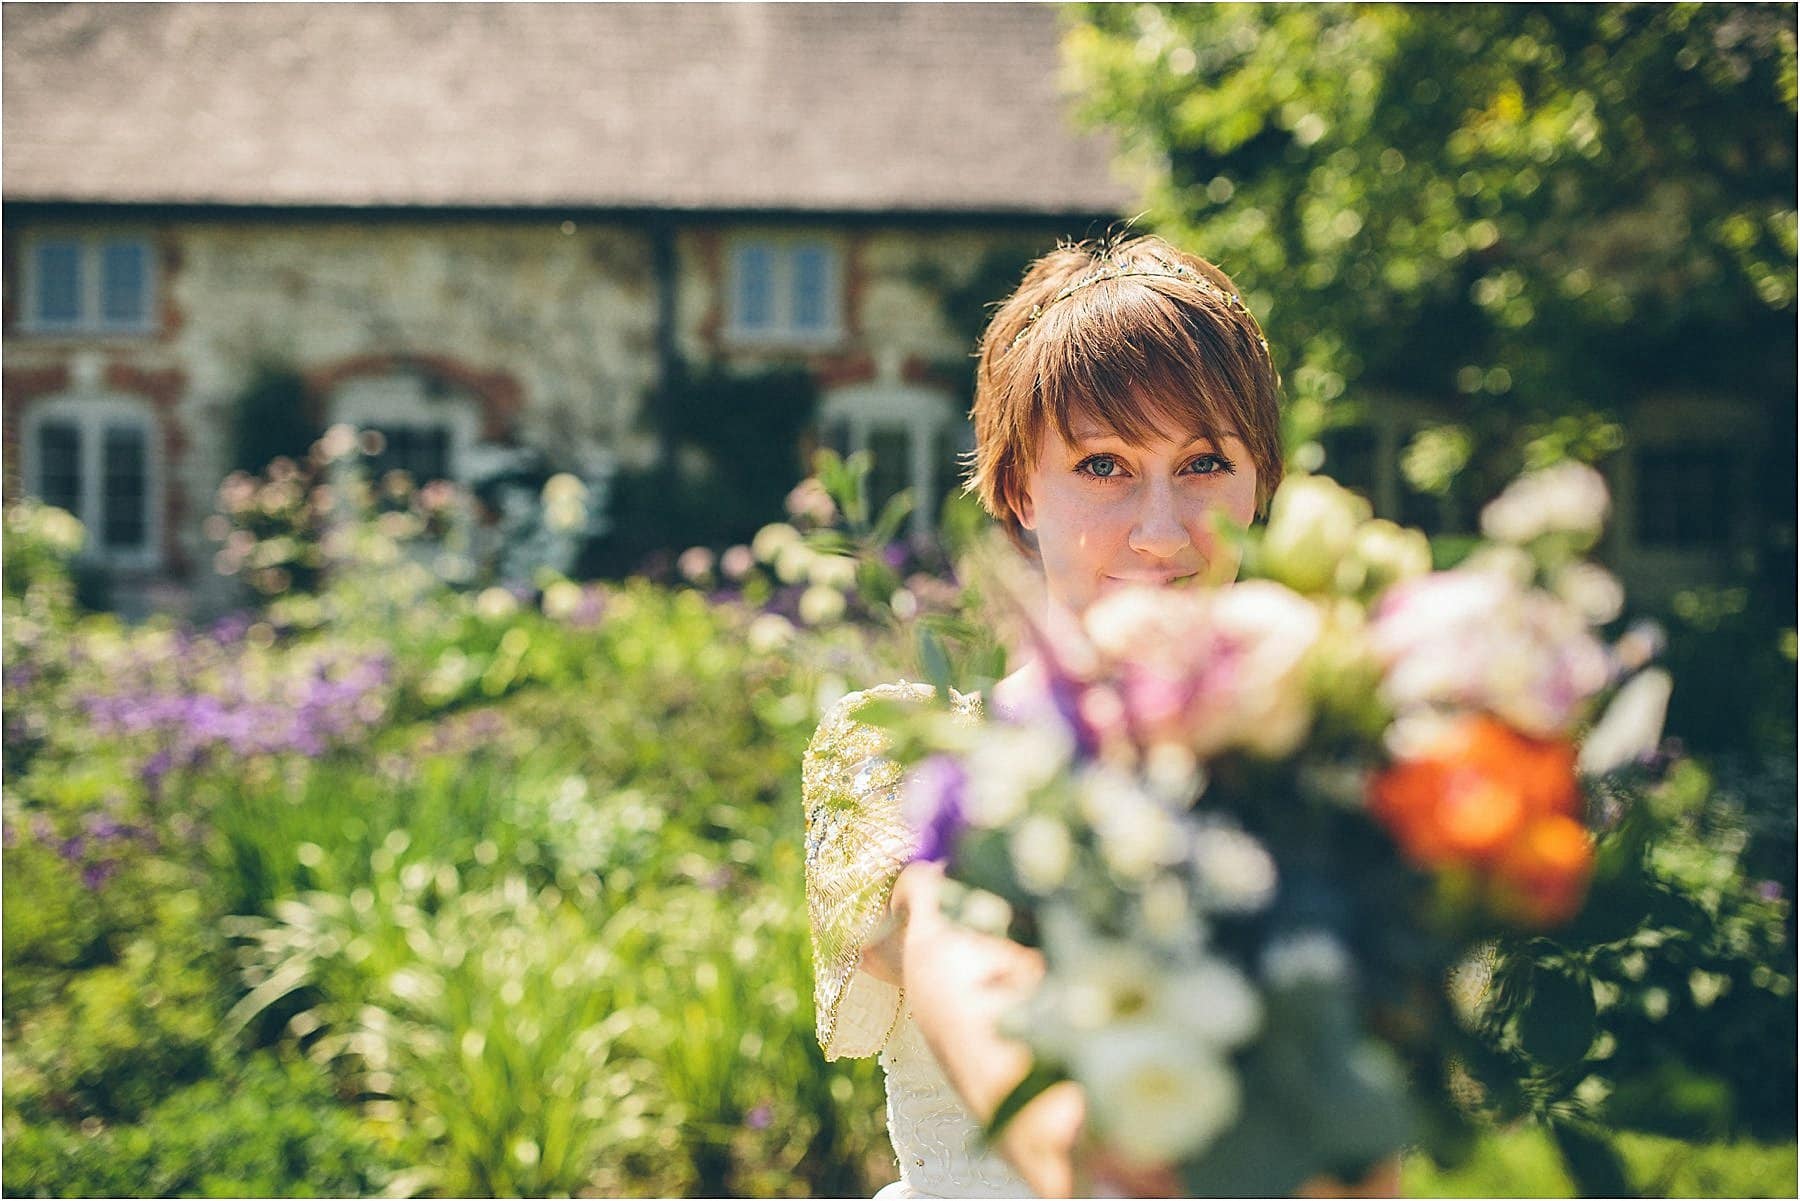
810, 107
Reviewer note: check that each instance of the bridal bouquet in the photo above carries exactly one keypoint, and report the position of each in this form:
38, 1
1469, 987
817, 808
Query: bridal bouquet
1255, 830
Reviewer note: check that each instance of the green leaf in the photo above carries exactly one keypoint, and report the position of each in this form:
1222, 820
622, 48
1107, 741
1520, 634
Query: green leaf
936, 662
892, 514
1556, 1026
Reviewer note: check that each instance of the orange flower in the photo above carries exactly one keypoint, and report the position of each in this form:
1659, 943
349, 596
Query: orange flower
1486, 797
1543, 876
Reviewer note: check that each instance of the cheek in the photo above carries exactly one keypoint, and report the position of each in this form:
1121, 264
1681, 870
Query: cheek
1236, 500
1078, 538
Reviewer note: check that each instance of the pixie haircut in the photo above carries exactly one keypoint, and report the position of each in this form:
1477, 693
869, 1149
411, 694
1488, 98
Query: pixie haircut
1137, 337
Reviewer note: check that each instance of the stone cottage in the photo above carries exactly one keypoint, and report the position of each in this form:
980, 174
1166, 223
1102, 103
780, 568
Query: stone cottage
481, 228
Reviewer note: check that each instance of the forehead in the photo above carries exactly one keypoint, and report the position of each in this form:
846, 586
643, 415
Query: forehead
1087, 430
1142, 419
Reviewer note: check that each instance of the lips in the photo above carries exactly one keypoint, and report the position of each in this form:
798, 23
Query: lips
1157, 580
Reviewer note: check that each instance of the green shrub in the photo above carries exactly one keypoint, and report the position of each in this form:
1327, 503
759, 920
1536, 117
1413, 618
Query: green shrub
1523, 1162
269, 1128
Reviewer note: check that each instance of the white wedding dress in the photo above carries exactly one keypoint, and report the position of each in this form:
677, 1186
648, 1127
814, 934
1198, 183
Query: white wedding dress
856, 843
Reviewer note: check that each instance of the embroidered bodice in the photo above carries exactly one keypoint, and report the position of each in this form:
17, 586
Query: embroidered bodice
856, 843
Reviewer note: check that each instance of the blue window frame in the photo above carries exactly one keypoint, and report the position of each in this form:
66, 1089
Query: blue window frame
87, 283
782, 289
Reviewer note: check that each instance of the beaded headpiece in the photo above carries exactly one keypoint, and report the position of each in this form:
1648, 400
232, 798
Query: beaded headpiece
1121, 270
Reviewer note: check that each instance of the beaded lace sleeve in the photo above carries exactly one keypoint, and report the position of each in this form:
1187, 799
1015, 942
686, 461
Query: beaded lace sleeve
856, 843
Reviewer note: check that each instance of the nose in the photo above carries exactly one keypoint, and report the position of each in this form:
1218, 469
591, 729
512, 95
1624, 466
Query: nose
1157, 529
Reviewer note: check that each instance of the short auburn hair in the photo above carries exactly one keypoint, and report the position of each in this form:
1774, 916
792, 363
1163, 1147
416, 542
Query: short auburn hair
1135, 336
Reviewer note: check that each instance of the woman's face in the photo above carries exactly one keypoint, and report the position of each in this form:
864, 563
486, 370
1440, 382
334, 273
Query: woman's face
1108, 512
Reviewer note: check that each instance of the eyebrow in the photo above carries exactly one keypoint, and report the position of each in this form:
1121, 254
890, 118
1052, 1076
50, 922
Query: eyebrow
1096, 434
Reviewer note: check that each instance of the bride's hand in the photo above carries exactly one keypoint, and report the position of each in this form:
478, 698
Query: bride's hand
958, 984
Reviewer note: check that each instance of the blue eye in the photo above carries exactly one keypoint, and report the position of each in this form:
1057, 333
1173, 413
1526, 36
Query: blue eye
1100, 467
1212, 465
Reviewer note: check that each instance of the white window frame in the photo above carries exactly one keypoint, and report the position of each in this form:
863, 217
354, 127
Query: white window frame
782, 330
92, 414
921, 413
400, 399
92, 318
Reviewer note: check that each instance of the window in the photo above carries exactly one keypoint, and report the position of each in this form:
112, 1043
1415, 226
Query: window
427, 431
783, 291
420, 450
915, 436
85, 283
94, 456
1351, 455
1684, 496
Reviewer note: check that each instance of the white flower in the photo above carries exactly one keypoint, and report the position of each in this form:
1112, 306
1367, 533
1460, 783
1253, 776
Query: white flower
565, 500
1158, 1096
1313, 522
1008, 764
1137, 833
1390, 553
1568, 498
1307, 957
1100, 982
695, 563
561, 600
1233, 872
793, 562
768, 632
819, 605
1213, 1002
1041, 852
496, 604
1277, 629
1592, 591
1632, 725
833, 571
1168, 914
771, 538
1478, 639
984, 911
736, 562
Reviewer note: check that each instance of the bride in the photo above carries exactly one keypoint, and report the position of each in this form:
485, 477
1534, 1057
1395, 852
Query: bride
1125, 401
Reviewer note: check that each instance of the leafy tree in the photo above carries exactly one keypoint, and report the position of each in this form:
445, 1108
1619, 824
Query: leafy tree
1542, 209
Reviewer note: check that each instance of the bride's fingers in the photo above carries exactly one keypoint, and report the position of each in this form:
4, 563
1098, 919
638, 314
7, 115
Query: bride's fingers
1113, 1176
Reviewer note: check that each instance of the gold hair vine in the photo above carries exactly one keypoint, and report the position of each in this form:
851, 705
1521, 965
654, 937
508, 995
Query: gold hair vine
1118, 270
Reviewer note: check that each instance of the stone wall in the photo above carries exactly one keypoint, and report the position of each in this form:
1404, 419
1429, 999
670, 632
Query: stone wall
549, 325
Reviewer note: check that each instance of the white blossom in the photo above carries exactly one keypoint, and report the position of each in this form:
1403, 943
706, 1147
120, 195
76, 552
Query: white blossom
1158, 1095
1568, 498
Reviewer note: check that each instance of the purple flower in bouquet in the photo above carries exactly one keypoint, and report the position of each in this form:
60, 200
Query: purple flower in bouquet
759, 1118
935, 806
